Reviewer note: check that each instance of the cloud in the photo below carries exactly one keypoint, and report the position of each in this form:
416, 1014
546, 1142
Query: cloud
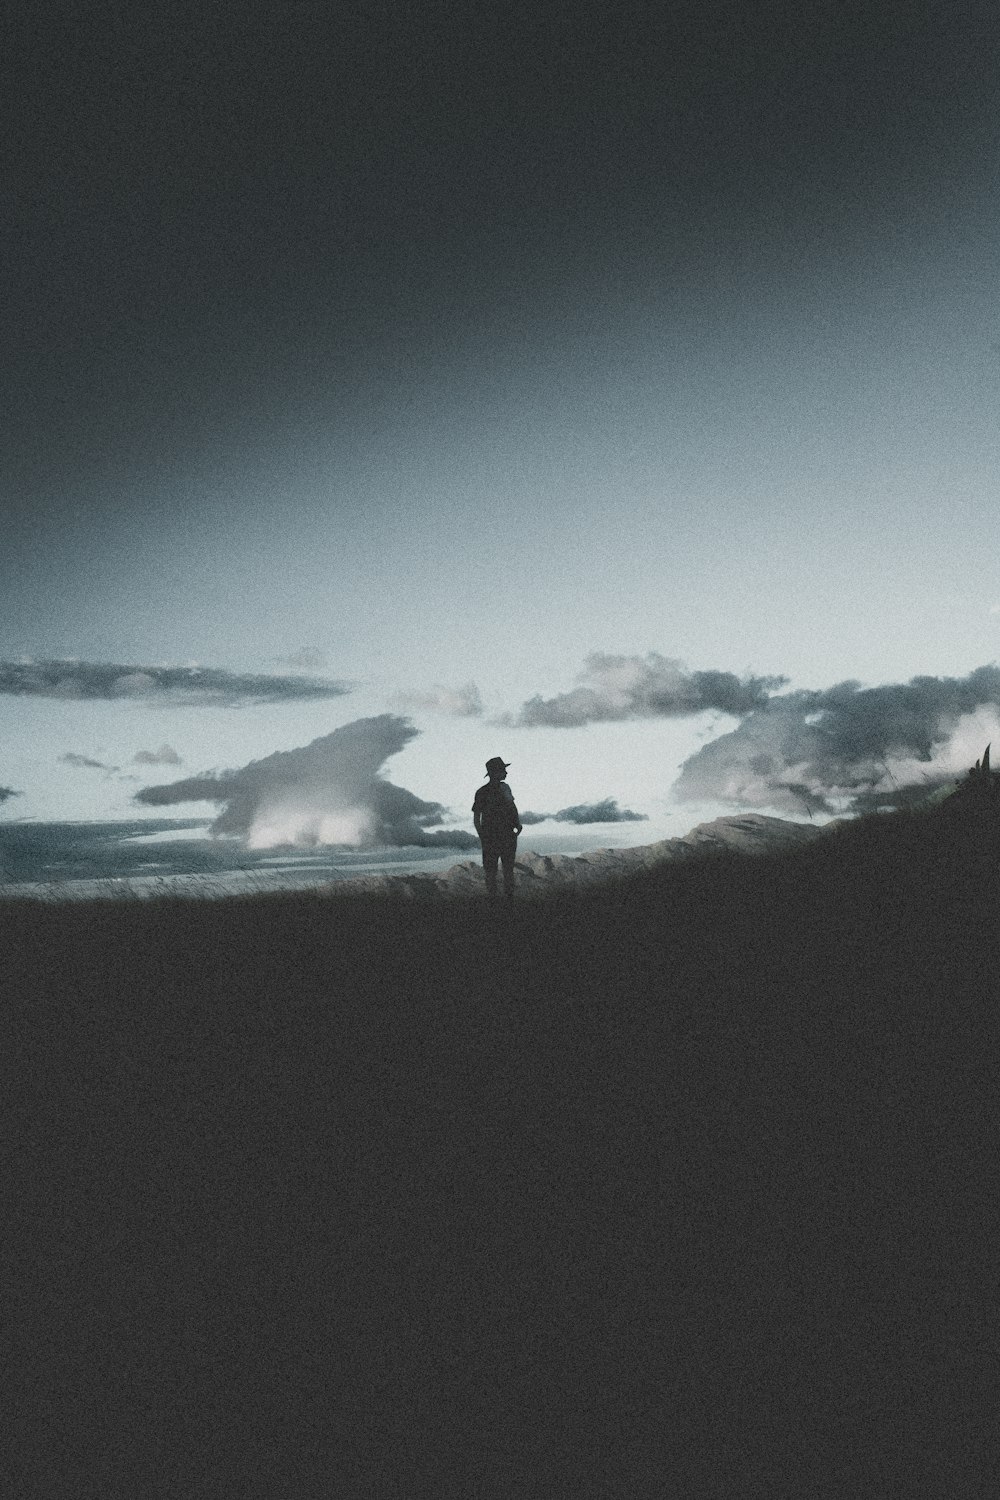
177, 685
460, 703
84, 761
613, 688
306, 659
165, 756
847, 749
7, 792
607, 811
327, 792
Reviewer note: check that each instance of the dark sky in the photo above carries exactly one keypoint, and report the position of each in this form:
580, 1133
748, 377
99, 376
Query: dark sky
227, 226
454, 349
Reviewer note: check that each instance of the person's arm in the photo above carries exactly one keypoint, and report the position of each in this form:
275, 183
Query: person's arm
517, 816
477, 818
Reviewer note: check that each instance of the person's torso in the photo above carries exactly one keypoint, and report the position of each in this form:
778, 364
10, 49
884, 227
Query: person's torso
496, 807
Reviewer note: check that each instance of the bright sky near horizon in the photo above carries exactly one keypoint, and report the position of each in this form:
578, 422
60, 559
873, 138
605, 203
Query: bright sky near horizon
597, 388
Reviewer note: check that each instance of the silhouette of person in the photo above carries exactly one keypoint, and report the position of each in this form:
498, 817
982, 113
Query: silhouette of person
498, 824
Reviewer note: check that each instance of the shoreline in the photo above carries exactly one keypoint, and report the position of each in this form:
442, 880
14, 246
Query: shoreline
747, 833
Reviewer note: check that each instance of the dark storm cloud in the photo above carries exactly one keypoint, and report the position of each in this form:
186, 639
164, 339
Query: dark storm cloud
84, 762
460, 703
613, 688
6, 792
329, 791
607, 811
165, 756
186, 686
845, 748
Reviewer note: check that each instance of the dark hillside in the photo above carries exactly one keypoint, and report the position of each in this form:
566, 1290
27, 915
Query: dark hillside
687, 1187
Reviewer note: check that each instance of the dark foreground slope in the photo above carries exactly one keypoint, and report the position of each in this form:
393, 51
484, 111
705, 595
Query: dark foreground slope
688, 1187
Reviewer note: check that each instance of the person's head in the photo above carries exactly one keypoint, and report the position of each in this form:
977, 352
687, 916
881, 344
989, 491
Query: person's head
496, 769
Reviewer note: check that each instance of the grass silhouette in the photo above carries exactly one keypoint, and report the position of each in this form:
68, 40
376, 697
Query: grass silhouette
686, 1186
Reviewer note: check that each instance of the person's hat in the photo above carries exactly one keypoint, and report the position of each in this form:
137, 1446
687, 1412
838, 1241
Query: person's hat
496, 761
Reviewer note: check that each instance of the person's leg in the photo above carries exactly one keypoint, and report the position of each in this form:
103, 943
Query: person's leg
490, 856
507, 860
